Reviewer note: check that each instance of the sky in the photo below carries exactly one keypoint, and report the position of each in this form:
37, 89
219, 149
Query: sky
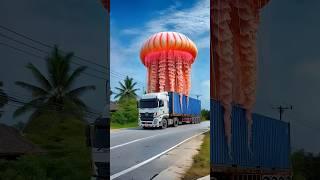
130, 27
288, 64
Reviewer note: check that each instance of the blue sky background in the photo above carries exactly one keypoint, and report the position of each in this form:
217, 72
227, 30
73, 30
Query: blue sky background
132, 22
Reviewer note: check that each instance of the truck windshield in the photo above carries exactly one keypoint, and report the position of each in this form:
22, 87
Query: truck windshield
148, 103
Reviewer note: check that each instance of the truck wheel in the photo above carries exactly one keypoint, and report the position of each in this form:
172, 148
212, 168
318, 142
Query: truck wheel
164, 124
175, 122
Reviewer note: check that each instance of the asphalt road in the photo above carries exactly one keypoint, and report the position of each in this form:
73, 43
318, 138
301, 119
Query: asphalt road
135, 154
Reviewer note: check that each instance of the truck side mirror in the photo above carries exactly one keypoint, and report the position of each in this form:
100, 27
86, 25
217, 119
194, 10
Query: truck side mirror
161, 104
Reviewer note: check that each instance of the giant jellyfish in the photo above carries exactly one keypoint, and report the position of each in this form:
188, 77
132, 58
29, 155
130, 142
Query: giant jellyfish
168, 57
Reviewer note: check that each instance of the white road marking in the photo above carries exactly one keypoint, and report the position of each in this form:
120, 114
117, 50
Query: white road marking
120, 145
152, 158
130, 142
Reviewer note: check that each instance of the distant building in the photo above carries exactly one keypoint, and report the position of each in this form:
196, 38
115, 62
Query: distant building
113, 106
13, 144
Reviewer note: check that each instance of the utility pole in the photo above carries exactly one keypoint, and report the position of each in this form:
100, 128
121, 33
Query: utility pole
198, 95
281, 109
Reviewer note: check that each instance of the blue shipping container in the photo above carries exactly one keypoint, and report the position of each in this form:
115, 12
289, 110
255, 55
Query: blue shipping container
188, 106
270, 146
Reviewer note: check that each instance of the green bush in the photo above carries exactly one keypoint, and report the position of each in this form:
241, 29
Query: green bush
66, 157
205, 114
127, 112
42, 168
305, 165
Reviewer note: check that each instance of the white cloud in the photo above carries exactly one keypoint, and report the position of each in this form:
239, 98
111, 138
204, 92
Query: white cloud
204, 42
131, 31
193, 22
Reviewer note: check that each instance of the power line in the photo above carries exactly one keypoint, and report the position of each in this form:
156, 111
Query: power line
40, 57
51, 46
26, 97
47, 45
112, 73
86, 116
43, 51
29, 99
51, 107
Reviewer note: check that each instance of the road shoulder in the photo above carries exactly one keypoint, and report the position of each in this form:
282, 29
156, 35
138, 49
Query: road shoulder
183, 156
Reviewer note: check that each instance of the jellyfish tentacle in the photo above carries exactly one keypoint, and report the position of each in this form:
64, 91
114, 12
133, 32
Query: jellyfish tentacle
186, 68
248, 16
171, 71
162, 71
224, 54
154, 75
180, 74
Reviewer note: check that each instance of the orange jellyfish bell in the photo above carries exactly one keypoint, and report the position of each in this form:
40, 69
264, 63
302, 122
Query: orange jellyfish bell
168, 57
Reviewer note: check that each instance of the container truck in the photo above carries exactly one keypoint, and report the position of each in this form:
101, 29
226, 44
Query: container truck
165, 109
265, 157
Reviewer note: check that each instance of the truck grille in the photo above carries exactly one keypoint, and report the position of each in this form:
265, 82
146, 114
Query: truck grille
146, 116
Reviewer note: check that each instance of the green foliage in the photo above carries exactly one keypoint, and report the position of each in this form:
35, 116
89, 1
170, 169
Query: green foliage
205, 114
63, 139
56, 125
127, 112
305, 166
127, 89
25, 168
55, 92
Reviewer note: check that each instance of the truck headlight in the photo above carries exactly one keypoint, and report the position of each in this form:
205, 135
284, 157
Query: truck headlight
155, 121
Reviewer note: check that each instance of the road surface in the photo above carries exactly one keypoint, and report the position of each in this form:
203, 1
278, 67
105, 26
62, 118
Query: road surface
135, 154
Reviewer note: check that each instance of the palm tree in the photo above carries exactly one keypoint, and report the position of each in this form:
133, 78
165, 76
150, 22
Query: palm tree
127, 89
55, 92
3, 98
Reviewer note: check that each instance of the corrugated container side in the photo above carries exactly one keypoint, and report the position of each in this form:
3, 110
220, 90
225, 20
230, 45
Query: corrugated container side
270, 143
189, 106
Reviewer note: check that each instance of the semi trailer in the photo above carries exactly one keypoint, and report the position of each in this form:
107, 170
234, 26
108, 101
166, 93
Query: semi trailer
165, 109
265, 157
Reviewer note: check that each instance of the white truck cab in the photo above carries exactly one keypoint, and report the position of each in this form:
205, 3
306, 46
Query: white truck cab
154, 110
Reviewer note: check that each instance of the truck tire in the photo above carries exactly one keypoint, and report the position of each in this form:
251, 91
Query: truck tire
164, 124
175, 122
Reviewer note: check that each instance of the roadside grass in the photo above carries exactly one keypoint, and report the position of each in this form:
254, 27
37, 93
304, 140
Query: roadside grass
125, 125
201, 162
